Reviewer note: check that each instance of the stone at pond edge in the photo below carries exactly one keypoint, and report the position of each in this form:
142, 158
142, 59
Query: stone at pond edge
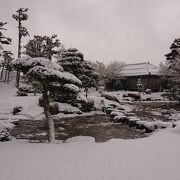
17, 109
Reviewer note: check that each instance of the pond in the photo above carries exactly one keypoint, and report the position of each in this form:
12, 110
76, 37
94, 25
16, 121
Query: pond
98, 126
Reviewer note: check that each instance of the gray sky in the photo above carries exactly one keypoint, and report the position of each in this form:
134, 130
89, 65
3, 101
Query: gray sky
104, 30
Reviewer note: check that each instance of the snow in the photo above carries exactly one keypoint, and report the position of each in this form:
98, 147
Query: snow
46, 72
155, 157
64, 107
44, 68
40, 61
5, 125
72, 87
8, 100
144, 68
81, 139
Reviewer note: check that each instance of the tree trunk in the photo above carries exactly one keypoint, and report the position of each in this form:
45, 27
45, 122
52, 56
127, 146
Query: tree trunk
6, 73
19, 54
17, 79
8, 76
49, 120
2, 71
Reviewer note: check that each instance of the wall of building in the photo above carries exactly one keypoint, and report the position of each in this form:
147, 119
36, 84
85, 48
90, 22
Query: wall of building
148, 81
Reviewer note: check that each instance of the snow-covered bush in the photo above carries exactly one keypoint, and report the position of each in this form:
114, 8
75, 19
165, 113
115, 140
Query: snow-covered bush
48, 74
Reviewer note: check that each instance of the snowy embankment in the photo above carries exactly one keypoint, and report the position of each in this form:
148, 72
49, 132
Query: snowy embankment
152, 158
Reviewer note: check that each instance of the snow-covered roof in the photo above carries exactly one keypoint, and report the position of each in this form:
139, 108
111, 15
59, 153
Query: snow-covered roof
137, 69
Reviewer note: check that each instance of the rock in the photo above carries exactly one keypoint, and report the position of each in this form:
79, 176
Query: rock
126, 99
161, 124
26, 89
132, 121
140, 125
125, 95
135, 96
148, 99
165, 112
17, 109
21, 93
79, 112
110, 97
54, 109
75, 104
150, 127
113, 105
148, 91
41, 102
116, 113
120, 119
121, 108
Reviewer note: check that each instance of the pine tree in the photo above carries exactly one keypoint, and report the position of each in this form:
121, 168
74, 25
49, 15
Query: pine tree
3, 38
173, 60
51, 76
73, 61
21, 15
43, 46
6, 65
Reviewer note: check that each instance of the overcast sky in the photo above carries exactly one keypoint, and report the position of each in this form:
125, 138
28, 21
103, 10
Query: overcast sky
103, 30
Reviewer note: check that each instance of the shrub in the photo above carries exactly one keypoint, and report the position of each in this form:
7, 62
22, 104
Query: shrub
87, 106
21, 93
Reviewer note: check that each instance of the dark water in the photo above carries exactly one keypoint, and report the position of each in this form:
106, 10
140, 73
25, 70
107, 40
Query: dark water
98, 126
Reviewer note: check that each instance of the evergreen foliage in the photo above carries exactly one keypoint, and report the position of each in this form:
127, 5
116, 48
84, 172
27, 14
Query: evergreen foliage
6, 65
42, 46
173, 60
3, 38
73, 61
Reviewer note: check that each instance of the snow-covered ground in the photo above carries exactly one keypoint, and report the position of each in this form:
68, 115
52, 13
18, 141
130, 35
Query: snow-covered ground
8, 100
152, 158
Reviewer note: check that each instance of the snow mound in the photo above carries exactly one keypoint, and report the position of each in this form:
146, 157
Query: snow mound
81, 139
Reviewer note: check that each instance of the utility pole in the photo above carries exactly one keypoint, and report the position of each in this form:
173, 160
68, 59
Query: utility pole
21, 15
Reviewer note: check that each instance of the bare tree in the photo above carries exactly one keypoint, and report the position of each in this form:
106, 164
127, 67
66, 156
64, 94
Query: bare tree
113, 74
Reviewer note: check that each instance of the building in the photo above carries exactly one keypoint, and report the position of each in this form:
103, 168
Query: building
147, 72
